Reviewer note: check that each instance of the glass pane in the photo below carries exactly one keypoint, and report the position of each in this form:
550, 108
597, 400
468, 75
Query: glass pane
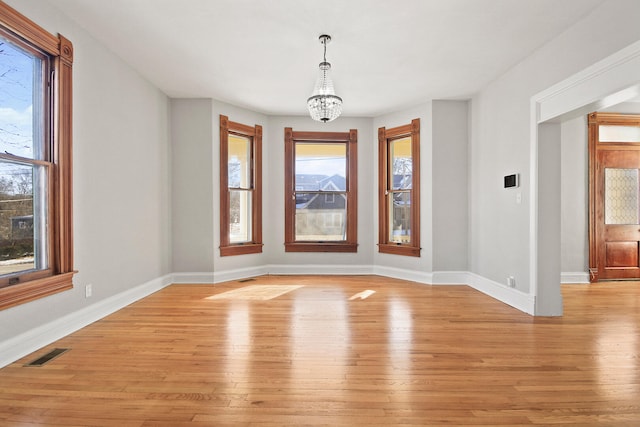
621, 188
321, 167
21, 101
23, 243
609, 133
239, 162
240, 216
401, 163
400, 217
321, 218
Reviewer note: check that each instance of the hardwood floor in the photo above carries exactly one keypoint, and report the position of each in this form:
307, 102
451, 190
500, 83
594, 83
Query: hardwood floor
320, 354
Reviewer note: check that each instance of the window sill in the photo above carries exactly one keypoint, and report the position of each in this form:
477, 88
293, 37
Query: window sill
242, 249
28, 291
398, 250
320, 247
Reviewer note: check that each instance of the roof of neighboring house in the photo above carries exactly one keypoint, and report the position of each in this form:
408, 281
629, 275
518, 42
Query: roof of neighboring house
317, 183
308, 182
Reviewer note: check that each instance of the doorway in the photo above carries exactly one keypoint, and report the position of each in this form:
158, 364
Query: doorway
614, 196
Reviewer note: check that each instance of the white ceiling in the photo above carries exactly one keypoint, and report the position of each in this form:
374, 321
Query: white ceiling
263, 55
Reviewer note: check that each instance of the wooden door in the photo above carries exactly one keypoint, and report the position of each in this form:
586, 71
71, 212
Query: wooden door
614, 196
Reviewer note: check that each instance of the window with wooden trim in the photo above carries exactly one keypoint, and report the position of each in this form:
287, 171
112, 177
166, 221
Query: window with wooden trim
321, 191
240, 188
36, 240
399, 189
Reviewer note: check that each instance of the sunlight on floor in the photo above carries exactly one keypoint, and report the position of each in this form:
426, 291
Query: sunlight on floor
256, 292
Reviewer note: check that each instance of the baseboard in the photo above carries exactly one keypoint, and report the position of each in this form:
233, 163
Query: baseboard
513, 297
402, 274
30, 341
450, 278
332, 269
574, 277
240, 273
189, 278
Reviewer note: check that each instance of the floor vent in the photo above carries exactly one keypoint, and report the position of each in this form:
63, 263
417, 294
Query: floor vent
246, 280
48, 357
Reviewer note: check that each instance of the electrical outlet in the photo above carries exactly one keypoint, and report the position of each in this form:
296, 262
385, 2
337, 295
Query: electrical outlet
88, 290
511, 281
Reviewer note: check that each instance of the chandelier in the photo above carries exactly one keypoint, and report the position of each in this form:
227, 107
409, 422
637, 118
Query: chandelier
324, 105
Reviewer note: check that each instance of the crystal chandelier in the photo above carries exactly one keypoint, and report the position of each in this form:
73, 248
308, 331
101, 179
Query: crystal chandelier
324, 105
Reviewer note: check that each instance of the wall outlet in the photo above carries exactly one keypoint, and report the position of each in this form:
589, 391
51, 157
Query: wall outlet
88, 290
511, 281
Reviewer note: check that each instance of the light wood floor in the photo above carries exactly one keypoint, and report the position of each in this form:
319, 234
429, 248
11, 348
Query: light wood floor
407, 354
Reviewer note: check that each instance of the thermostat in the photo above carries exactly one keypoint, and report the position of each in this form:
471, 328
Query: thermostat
511, 181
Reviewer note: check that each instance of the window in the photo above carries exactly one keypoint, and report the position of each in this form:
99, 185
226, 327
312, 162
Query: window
399, 189
240, 188
321, 191
36, 240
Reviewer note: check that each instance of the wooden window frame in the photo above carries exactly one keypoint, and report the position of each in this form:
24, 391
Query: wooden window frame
385, 136
254, 133
59, 277
350, 244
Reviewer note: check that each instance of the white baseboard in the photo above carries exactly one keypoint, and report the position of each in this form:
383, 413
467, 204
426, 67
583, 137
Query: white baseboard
241, 273
450, 278
513, 297
189, 278
399, 273
30, 341
574, 277
331, 269
219, 276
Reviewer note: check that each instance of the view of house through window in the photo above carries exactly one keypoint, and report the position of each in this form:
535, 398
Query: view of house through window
320, 191
24, 166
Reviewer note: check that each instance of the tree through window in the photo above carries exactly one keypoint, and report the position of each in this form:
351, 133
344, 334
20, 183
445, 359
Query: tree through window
240, 188
399, 189
36, 254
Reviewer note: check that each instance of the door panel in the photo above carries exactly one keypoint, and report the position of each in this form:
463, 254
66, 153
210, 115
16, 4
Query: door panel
621, 254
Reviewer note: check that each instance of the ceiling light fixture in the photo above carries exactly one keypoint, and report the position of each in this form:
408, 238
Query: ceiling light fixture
324, 105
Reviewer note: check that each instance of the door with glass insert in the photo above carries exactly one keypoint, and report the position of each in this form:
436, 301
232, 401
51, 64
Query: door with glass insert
614, 196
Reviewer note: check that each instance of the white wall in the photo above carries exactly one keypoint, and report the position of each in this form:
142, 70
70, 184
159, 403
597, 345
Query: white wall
500, 135
548, 298
574, 196
122, 215
192, 185
450, 208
